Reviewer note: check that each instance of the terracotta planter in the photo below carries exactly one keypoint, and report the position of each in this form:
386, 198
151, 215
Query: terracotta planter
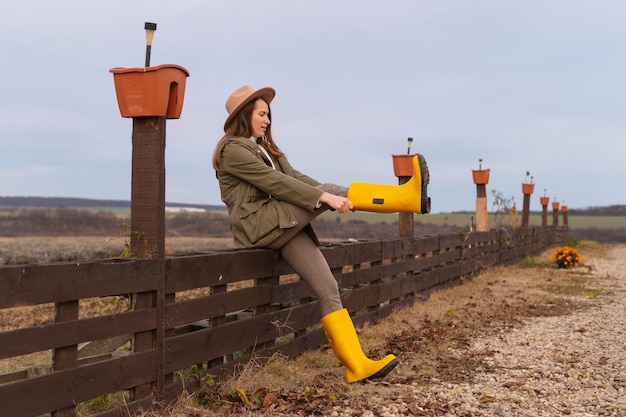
564, 209
555, 205
150, 91
528, 188
481, 176
403, 164
544, 200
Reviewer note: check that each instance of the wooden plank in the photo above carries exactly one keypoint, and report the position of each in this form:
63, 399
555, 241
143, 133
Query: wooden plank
449, 241
468, 267
475, 238
425, 245
190, 272
56, 390
449, 273
290, 293
360, 277
292, 348
425, 280
352, 254
450, 256
398, 248
431, 261
24, 285
400, 288
50, 336
361, 298
216, 305
207, 344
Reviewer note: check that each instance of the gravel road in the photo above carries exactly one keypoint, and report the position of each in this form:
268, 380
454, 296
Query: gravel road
572, 365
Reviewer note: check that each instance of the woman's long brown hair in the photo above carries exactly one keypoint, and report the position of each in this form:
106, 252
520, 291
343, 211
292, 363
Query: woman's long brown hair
241, 127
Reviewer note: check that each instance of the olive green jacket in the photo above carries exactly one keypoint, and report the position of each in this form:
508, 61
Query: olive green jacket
254, 193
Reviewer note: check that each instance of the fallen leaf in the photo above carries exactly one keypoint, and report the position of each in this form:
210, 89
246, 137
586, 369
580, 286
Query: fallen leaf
269, 399
243, 396
487, 399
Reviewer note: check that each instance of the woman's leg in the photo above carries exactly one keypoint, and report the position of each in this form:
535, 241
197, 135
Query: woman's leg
304, 216
306, 259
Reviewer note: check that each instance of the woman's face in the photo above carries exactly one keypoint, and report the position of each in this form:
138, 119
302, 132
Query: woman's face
260, 118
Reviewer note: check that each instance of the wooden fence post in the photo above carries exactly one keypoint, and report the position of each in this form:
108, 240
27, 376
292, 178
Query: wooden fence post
405, 220
564, 212
150, 95
527, 190
544, 210
555, 213
65, 357
403, 169
147, 233
481, 179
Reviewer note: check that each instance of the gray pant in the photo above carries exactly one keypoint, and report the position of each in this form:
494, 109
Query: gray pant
306, 259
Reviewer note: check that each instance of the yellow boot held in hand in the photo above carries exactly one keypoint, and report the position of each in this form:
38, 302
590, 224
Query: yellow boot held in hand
382, 198
342, 336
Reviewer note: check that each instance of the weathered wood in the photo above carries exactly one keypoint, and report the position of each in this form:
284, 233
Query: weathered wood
24, 285
399, 248
103, 346
65, 357
56, 390
216, 305
423, 245
72, 332
352, 254
217, 268
290, 293
147, 234
405, 220
147, 211
215, 342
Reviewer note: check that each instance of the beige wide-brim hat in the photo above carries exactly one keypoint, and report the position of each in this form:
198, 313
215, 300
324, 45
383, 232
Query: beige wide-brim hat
242, 96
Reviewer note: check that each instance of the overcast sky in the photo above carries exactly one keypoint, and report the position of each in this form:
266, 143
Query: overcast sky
535, 86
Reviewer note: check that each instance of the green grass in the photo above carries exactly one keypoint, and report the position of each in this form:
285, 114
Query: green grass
463, 219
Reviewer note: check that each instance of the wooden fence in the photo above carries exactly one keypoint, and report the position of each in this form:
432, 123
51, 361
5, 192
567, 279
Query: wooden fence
218, 307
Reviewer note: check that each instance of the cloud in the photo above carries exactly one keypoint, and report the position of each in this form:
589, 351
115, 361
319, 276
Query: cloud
526, 86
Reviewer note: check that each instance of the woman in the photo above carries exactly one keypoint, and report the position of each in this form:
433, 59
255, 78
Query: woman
270, 204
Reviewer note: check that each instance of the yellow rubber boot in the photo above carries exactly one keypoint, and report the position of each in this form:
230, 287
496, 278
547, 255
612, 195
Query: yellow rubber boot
382, 198
342, 336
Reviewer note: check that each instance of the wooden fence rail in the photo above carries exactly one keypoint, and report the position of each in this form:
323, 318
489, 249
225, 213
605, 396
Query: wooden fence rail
220, 307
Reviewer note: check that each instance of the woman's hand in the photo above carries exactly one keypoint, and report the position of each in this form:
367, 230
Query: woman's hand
341, 204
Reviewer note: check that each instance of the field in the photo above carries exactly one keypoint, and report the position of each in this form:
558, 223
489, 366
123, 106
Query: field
463, 220
45, 249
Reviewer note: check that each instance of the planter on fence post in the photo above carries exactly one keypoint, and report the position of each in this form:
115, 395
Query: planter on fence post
527, 190
564, 211
555, 213
403, 169
149, 95
544, 210
481, 179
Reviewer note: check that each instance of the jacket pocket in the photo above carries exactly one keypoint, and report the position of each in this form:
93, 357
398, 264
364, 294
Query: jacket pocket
262, 219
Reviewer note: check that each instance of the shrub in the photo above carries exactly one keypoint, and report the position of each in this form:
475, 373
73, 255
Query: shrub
565, 257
